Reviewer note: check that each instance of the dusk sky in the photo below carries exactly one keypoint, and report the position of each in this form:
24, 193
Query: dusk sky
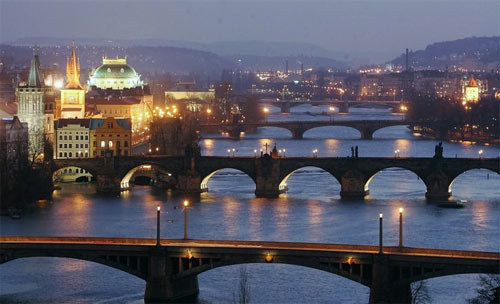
347, 26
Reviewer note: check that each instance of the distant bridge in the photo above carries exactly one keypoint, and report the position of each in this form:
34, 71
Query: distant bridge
342, 105
270, 174
171, 270
365, 127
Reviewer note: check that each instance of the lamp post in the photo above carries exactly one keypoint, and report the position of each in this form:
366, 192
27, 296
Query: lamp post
158, 226
186, 204
480, 153
332, 109
400, 228
266, 110
380, 241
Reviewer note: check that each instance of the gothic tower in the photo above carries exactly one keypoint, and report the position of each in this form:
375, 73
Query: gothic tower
31, 107
73, 94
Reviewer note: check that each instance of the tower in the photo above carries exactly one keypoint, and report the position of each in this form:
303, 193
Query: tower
72, 103
471, 91
31, 107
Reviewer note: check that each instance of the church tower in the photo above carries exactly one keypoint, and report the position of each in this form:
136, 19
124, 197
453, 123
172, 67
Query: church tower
31, 107
73, 94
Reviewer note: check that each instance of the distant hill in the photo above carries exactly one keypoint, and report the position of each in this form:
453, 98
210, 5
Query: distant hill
469, 53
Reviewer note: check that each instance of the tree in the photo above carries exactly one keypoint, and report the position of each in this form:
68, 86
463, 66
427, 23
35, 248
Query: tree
420, 293
488, 291
243, 296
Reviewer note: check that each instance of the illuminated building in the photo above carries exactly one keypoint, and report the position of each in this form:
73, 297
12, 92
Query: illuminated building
72, 138
72, 104
471, 91
33, 108
188, 94
114, 74
110, 134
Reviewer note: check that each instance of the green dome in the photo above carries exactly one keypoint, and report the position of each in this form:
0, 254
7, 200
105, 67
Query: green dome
115, 74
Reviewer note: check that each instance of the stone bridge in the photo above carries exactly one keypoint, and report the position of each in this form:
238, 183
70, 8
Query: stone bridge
365, 127
271, 173
342, 105
170, 269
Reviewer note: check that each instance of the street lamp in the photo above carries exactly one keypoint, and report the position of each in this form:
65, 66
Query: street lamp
158, 226
255, 152
480, 152
400, 227
284, 151
380, 241
332, 109
186, 204
315, 152
266, 110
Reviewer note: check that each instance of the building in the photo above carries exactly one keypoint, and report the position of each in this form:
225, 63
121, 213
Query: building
33, 109
112, 135
190, 96
471, 91
13, 151
72, 102
114, 74
72, 138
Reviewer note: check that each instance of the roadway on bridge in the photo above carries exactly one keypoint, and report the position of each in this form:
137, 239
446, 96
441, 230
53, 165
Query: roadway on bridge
408, 251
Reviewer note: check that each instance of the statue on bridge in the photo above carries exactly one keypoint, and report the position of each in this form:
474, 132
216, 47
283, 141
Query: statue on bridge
438, 150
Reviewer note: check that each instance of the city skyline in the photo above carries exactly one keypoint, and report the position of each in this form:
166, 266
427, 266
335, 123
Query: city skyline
366, 29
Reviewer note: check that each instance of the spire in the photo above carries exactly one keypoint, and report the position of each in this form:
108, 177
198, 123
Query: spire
472, 82
35, 77
73, 70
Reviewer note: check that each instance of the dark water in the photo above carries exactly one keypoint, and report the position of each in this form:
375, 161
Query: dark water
311, 211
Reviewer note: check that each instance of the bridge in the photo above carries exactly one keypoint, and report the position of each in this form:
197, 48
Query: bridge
365, 127
171, 267
342, 105
270, 173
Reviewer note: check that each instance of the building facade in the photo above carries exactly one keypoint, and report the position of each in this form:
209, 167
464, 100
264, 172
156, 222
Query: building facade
110, 135
33, 110
115, 74
72, 138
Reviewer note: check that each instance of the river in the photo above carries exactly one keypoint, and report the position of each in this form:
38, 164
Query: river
311, 211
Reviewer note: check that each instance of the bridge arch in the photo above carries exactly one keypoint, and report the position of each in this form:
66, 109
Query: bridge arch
136, 266
391, 128
152, 170
73, 174
286, 131
206, 177
482, 173
347, 131
387, 169
283, 186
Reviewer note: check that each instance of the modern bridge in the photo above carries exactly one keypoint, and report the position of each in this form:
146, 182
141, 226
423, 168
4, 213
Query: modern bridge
270, 174
365, 127
170, 269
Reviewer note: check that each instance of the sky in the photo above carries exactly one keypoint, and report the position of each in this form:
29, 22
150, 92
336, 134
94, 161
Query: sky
381, 26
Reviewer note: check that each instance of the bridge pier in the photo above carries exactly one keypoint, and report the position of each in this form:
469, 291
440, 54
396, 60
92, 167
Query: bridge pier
366, 133
267, 181
285, 107
383, 288
344, 108
189, 183
438, 187
108, 183
352, 186
161, 287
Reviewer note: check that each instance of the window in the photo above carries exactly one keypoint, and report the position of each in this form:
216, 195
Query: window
118, 144
103, 144
65, 154
65, 146
60, 154
86, 137
76, 146
125, 143
110, 143
95, 153
86, 145
60, 137
102, 153
95, 143
70, 170
70, 146
77, 170
86, 154
70, 137
60, 146
110, 124
70, 154
65, 137
76, 137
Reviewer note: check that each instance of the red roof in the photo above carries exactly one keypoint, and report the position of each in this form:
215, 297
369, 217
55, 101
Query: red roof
472, 82
64, 122
9, 107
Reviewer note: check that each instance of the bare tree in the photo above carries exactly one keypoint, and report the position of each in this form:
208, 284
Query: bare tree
488, 291
420, 293
243, 296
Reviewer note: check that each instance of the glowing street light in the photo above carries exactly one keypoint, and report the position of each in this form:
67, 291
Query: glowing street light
332, 110
284, 151
400, 227
158, 226
315, 152
266, 110
186, 205
380, 241
480, 152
